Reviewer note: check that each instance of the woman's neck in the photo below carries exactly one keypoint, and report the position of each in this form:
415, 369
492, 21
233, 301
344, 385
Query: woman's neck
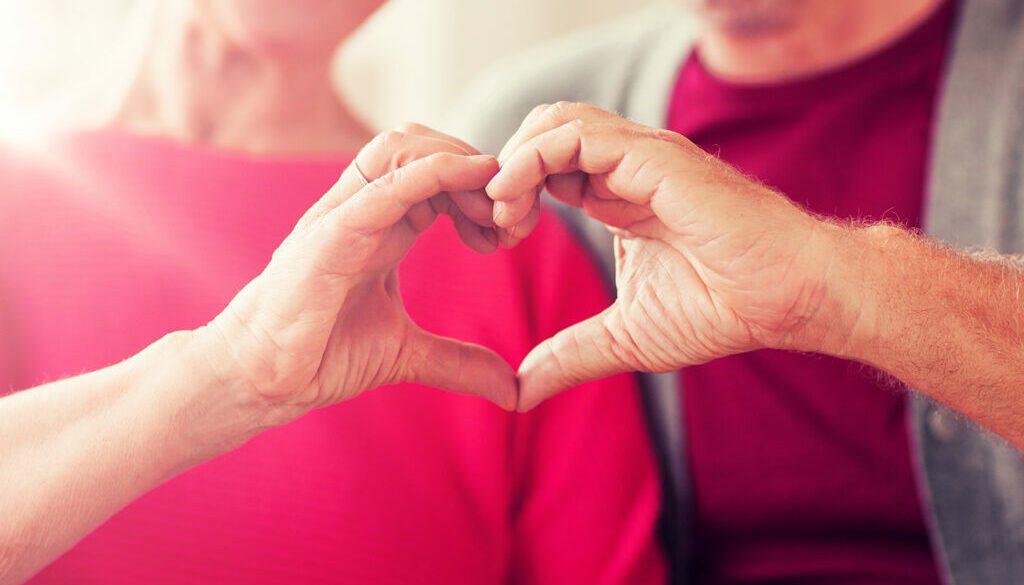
196, 86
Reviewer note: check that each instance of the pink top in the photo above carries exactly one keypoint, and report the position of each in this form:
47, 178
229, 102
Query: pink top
801, 464
112, 240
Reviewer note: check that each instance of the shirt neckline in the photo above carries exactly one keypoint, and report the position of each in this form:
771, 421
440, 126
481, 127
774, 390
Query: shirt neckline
886, 61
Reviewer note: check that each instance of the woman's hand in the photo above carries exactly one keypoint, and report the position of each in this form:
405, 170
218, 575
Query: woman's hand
708, 263
325, 319
322, 323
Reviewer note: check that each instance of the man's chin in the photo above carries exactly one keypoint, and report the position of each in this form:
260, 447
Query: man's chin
746, 17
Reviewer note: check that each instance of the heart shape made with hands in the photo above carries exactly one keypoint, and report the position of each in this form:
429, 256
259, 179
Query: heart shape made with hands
698, 275
337, 324
411, 176
325, 320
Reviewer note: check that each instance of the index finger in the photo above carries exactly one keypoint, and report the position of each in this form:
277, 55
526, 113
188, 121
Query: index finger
573, 146
621, 166
548, 117
386, 200
387, 151
516, 212
421, 130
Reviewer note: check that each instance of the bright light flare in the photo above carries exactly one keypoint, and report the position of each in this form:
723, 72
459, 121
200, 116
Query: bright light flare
64, 63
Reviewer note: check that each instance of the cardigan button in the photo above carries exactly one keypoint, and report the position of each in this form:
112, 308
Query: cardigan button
943, 425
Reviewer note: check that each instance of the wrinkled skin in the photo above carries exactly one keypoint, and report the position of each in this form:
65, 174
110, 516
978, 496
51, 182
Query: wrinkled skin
708, 263
325, 320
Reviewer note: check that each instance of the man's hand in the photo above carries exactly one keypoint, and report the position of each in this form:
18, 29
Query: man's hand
708, 262
325, 319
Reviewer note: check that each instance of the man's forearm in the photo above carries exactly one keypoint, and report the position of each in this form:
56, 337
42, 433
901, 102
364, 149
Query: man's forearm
944, 322
74, 452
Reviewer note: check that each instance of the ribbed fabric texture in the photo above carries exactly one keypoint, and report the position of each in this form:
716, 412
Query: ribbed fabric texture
110, 241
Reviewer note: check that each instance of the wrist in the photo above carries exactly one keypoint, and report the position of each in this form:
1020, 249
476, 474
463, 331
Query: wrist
852, 274
203, 414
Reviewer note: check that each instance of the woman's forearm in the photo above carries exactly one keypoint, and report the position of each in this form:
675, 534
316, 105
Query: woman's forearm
74, 452
322, 323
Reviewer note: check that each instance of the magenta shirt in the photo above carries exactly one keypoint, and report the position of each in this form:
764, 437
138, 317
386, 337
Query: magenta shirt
801, 464
110, 241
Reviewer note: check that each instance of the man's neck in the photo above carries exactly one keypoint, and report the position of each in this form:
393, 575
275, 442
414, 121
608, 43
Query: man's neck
196, 86
819, 36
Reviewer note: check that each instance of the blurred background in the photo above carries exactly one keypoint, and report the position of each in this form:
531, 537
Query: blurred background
67, 62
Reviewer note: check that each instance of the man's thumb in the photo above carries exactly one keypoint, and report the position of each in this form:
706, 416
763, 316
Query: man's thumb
580, 353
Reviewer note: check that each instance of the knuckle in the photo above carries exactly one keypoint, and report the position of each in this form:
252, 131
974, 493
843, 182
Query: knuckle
374, 143
561, 109
665, 135
439, 159
400, 149
389, 180
391, 141
537, 111
393, 136
412, 128
379, 154
384, 141
383, 184
586, 108
575, 125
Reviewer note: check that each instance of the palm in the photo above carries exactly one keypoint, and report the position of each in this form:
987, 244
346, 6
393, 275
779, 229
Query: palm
329, 353
365, 346
668, 312
743, 266
373, 332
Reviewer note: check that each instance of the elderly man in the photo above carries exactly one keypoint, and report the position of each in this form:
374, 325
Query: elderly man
878, 118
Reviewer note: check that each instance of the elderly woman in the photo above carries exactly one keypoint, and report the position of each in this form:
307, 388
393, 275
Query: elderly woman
121, 236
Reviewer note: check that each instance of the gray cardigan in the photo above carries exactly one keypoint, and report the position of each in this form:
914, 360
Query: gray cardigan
972, 482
